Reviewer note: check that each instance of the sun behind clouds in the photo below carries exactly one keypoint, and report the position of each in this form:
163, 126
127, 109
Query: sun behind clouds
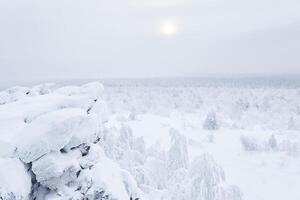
168, 28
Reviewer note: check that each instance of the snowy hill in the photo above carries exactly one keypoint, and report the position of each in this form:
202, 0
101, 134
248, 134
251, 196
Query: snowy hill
153, 142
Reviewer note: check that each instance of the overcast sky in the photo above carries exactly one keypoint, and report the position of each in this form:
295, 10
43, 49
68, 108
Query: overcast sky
53, 39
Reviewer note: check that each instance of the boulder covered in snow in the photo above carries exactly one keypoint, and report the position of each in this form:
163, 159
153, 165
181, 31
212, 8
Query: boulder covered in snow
15, 180
49, 132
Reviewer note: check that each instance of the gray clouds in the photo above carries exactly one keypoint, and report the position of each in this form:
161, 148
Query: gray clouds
95, 38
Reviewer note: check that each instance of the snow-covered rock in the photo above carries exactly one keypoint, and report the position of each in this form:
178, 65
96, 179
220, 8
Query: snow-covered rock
15, 181
56, 169
7, 150
49, 132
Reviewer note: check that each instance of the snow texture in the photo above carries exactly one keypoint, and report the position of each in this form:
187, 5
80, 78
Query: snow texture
149, 142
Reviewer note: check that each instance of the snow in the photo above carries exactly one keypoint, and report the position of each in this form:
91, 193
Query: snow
110, 177
149, 142
50, 132
55, 169
50, 142
15, 180
264, 116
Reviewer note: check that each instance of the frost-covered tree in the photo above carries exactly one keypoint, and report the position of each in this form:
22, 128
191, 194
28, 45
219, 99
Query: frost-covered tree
272, 142
206, 178
177, 185
178, 153
249, 143
255, 144
210, 122
243, 104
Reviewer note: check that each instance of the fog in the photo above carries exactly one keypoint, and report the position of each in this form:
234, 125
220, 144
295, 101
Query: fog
63, 39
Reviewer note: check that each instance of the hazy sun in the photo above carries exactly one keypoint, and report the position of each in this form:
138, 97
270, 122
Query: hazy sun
168, 28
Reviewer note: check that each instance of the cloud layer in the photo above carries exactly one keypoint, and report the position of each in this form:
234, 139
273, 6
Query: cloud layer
90, 39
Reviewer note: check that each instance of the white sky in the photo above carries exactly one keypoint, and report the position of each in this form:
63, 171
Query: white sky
130, 38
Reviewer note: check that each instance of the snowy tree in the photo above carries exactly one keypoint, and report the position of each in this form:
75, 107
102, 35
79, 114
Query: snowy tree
210, 122
243, 104
178, 153
249, 143
206, 178
178, 185
272, 142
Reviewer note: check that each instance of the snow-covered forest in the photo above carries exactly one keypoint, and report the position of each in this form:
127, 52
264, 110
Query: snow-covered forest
149, 141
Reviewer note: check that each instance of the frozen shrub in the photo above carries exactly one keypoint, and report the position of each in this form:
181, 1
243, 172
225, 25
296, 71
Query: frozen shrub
210, 122
243, 104
272, 142
253, 144
133, 115
250, 144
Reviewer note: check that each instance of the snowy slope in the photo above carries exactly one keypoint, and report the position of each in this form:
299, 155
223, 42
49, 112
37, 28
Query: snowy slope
136, 142
253, 133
